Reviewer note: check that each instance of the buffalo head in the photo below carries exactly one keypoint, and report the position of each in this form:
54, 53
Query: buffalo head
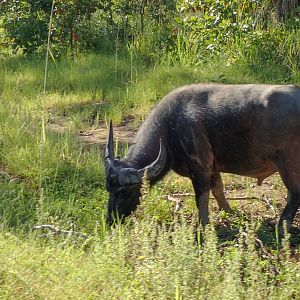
123, 182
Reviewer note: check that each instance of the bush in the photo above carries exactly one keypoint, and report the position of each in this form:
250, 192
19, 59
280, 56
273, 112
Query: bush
206, 26
25, 26
26, 23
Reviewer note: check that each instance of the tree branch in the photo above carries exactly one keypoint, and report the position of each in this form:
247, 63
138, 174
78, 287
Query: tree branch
53, 230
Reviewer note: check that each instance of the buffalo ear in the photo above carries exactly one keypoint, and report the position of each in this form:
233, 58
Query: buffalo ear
129, 176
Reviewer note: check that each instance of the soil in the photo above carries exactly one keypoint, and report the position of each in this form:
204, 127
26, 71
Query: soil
123, 133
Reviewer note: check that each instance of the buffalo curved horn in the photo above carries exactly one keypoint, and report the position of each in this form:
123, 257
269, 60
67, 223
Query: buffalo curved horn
135, 176
154, 169
109, 150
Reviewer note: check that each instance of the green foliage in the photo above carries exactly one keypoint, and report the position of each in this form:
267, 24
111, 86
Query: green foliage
208, 30
17, 203
81, 93
141, 28
25, 24
209, 25
67, 16
85, 25
48, 174
273, 49
184, 32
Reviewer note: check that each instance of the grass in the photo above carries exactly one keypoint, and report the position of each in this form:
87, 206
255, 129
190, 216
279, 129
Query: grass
81, 94
145, 261
51, 176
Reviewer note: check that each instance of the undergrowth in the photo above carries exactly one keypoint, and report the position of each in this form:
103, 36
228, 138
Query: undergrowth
146, 261
48, 175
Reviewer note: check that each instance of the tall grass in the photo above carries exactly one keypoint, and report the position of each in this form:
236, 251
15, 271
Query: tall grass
157, 254
80, 95
146, 261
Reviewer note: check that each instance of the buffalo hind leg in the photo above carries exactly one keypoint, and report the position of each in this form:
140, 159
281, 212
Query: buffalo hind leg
217, 189
293, 203
288, 165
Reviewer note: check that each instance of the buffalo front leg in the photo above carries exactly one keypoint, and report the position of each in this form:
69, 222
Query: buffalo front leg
201, 184
199, 160
217, 189
202, 204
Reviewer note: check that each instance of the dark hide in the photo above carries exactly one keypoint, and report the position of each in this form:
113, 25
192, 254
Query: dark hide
205, 129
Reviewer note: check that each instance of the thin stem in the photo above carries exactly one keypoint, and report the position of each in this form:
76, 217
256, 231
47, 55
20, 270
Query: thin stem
48, 46
43, 131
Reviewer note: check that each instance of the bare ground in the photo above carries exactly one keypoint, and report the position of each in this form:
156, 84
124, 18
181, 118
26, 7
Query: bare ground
123, 133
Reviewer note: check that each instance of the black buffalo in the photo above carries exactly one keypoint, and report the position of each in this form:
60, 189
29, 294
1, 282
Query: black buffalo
201, 130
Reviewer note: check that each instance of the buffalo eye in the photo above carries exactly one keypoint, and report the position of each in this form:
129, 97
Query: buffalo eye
111, 182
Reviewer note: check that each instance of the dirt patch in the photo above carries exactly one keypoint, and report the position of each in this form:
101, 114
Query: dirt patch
123, 133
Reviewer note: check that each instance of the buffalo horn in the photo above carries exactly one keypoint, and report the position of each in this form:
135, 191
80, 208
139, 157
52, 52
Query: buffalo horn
109, 150
135, 176
155, 168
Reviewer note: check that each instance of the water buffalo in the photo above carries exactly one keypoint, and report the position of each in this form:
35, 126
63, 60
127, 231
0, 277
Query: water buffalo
201, 130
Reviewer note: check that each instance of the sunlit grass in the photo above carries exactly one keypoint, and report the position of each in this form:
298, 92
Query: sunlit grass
145, 261
80, 95
48, 175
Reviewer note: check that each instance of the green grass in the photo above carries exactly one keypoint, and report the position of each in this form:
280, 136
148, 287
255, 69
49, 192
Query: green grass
51, 176
57, 176
145, 261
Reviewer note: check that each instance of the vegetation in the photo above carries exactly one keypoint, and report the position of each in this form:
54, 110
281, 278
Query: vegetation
116, 59
147, 261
